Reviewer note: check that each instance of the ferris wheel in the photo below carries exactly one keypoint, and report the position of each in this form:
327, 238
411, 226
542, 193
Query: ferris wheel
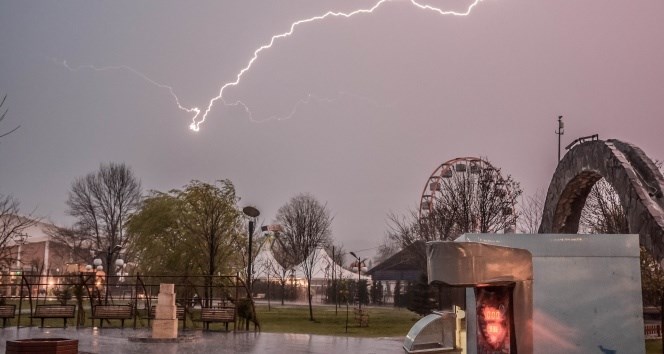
472, 171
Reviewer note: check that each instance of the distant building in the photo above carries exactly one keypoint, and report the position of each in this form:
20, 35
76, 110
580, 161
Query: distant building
38, 255
406, 265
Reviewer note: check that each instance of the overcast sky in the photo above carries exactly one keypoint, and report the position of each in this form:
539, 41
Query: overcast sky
379, 100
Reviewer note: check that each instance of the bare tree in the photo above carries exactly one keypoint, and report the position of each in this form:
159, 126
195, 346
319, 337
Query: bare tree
307, 226
530, 217
283, 271
74, 241
2, 117
603, 212
386, 250
12, 228
479, 201
102, 202
338, 255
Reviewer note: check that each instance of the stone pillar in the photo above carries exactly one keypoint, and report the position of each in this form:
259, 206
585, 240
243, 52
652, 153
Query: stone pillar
165, 323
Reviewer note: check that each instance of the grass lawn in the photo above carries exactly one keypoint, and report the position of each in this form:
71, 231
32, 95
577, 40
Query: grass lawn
383, 321
654, 346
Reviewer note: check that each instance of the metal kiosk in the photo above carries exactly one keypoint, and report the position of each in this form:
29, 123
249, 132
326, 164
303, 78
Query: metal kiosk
500, 321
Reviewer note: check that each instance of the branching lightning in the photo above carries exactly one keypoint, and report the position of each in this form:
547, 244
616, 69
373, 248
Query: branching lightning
170, 89
196, 121
308, 99
199, 118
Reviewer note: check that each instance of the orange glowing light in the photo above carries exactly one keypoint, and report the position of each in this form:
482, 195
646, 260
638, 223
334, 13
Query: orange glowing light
493, 316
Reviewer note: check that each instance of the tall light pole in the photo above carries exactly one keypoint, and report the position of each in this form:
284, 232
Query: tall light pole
20, 240
253, 213
560, 132
359, 266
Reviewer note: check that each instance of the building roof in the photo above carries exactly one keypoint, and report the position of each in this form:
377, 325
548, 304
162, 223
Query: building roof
407, 264
265, 264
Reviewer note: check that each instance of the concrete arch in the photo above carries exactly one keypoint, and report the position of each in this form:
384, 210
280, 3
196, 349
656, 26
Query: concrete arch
633, 175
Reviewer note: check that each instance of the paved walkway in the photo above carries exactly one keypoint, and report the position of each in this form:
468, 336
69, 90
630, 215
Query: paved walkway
115, 340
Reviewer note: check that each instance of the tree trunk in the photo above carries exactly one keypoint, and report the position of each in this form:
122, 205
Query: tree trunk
283, 292
311, 310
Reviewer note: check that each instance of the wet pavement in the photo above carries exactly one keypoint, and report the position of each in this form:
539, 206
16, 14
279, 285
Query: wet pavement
115, 340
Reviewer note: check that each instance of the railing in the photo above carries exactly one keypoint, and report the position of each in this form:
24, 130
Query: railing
653, 331
86, 289
582, 140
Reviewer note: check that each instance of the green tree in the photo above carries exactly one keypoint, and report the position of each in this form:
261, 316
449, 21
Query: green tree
377, 293
421, 297
158, 244
201, 224
210, 217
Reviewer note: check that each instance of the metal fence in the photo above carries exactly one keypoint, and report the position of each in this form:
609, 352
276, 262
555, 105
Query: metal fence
88, 289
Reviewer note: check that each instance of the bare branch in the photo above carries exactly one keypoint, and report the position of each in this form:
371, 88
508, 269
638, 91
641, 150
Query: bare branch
2, 117
12, 227
531, 207
102, 203
307, 226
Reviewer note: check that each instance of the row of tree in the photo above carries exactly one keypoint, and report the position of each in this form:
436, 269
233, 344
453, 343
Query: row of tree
197, 230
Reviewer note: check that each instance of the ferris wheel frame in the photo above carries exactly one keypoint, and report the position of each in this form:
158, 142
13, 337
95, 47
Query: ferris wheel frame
446, 170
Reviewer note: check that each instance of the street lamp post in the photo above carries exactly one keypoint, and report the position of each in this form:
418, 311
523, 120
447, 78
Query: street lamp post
253, 213
98, 264
359, 266
560, 132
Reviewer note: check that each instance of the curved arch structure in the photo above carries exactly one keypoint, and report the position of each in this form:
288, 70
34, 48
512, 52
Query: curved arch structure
633, 175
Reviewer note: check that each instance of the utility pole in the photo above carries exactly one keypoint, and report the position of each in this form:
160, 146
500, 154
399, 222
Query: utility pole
559, 132
334, 282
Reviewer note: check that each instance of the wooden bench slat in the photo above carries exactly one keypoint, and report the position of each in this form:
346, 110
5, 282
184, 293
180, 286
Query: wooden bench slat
217, 315
7, 312
179, 312
112, 312
54, 311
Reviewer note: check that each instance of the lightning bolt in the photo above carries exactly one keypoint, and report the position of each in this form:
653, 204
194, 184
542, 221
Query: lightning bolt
170, 89
308, 99
199, 118
196, 121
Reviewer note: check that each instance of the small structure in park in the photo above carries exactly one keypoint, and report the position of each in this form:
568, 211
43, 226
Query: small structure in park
165, 323
553, 293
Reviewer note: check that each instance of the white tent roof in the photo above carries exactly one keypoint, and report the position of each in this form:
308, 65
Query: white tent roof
323, 267
265, 264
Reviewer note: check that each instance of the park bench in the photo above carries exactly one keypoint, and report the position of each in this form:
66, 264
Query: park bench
112, 312
218, 315
362, 317
7, 312
54, 311
179, 314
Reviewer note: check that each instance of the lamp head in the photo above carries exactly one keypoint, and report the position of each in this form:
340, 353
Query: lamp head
251, 211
